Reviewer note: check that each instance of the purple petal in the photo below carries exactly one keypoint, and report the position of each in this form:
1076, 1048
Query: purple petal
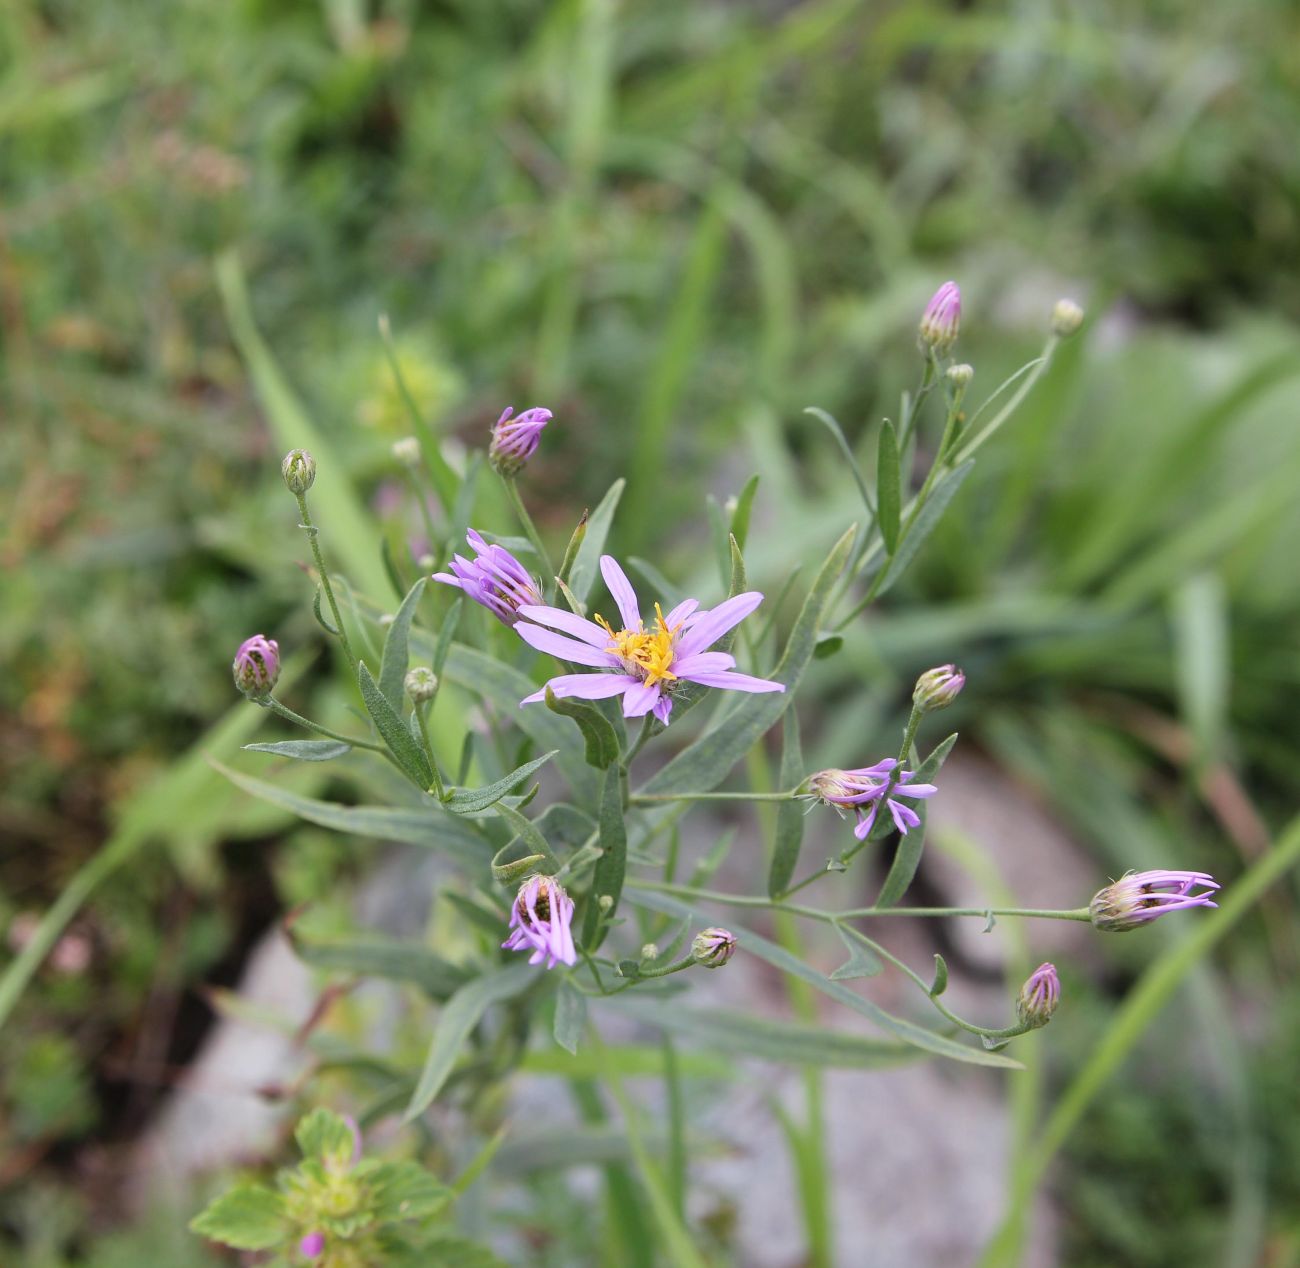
904, 816
585, 687
569, 622
663, 708
863, 830
564, 648
640, 699
914, 790
703, 663
710, 626
679, 614
733, 682
621, 588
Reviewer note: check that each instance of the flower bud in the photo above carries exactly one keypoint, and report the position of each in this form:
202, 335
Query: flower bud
421, 684
713, 948
299, 471
515, 440
938, 688
407, 451
257, 666
1039, 997
1067, 317
312, 1245
960, 376
941, 319
1138, 898
650, 951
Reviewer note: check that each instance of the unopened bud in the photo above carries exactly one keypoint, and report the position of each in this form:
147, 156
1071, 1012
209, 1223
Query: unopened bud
713, 948
515, 440
650, 951
938, 688
941, 319
257, 666
299, 471
1138, 898
421, 684
960, 376
1039, 997
1067, 317
407, 451
605, 902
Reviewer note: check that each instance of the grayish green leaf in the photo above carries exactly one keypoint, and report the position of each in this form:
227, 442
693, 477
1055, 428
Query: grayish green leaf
888, 487
789, 814
392, 669
862, 961
468, 801
392, 729
570, 1016
607, 878
586, 566
303, 750
597, 730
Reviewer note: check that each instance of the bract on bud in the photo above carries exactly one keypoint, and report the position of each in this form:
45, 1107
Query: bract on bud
1039, 997
257, 666
421, 684
941, 319
515, 440
1140, 897
960, 376
938, 688
713, 948
407, 451
1067, 317
299, 471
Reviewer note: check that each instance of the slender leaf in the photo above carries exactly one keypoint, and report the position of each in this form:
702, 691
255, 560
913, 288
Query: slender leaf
446, 632
528, 842
790, 816
607, 878
464, 1011
907, 857
303, 750
570, 1016
888, 487
392, 669
940, 983
373, 955
832, 426
929, 515
597, 730
468, 801
586, 565
388, 722
744, 509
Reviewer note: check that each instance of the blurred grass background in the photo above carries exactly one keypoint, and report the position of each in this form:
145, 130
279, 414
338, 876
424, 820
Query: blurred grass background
676, 225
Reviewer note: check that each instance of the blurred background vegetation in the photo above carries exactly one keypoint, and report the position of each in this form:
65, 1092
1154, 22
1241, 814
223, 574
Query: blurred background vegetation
677, 225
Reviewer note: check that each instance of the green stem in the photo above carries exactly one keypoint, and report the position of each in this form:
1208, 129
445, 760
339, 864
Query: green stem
652, 799
530, 530
1010, 407
423, 504
312, 532
646, 723
438, 790
270, 702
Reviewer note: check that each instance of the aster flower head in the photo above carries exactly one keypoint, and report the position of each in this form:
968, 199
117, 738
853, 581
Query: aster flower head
861, 791
941, 319
643, 665
938, 688
494, 578
713, 947
515, 440
257, 666
1039, 997
541, 921
1138, 898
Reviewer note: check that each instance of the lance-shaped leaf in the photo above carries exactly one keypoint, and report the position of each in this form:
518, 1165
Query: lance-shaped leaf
607, 879
570, 1016
832, 426
586, 564
744, 508
907, 857
790, 814
430, 828
393, 731
913, 538
464, 1011
528, 846
597, 730
779, 958
373, 955
706, 763
303, 750
469, 801
392, 669
888, 487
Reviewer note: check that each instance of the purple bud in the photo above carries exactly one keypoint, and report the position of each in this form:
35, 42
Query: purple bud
941, 319
938, 688
493, 578
515, 440
1138, 898
713, 948
1039, 997
312, 1245
257, 666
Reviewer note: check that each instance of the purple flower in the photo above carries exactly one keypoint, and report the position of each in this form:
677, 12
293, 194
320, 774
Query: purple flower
542, 920
863, 789
257, 666
312, 1245
941, 319
643, 666
494, 578
515, 440
1039, 997
1139, 897
713, 948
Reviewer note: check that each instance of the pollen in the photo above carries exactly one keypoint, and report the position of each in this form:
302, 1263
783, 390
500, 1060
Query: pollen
647, 653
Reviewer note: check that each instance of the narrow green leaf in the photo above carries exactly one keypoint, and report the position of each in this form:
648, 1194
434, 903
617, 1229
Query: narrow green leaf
907, 857
862, 961
392, 669
571, 551
943, 492
704, 764
570, 1016
790, 815
248, 1217
303, 750
779, 958
940, 983
597, 731
446, 632
718, 533
586, 566
528, 841
669, 595
468, 801
325, 623
850, 457
464, 1010
388, 722
431, 828
373, 955
607, 878
390, 567
489, 921
468, 495
888, 487
740, 517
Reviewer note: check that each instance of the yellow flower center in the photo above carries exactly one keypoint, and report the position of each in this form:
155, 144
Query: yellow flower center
649, 654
